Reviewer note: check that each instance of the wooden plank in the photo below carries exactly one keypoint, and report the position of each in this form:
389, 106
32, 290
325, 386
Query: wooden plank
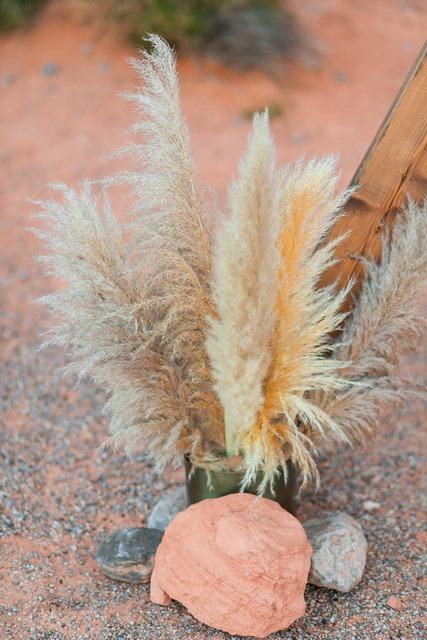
394, 166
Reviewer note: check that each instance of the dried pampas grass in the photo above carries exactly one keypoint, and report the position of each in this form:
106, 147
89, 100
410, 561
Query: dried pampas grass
105, 327
306, 315
135, 314
171, 233
245, 287
385, 326
206, 347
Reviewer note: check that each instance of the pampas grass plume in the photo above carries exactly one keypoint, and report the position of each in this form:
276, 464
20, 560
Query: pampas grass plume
135, 313
245, 287
385, 326
306, 315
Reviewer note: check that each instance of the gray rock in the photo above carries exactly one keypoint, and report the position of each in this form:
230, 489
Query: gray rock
50, 69
104, 67
169, 505
341, 77
339, 551
128, 555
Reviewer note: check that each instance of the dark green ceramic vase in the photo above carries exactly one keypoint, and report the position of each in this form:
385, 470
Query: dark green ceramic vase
223, 483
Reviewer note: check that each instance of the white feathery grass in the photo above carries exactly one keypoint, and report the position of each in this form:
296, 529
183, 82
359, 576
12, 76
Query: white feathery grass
152, 293
168, 203
87, 250
306, 317
150, 411
103, 324
171, 233
245, 287
385, 326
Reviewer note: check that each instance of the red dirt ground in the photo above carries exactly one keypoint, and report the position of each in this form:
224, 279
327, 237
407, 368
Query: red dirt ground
59, 118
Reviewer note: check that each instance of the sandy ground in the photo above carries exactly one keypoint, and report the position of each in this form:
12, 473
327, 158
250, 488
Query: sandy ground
59, 118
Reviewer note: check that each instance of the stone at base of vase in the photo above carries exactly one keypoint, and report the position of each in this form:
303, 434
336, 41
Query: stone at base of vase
223, 483
237, 563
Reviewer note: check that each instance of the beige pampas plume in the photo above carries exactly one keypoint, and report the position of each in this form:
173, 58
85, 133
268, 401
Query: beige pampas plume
168, 201
150, 411
245, 287
103, 300
306, 315
134, 315
171, 232
386, 324
103, 314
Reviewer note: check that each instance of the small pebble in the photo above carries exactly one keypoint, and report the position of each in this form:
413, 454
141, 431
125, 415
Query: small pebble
128, 555
341, 77
298, 137
394, 603
87, 48
104, 67
7, 79
370, 505
50, 69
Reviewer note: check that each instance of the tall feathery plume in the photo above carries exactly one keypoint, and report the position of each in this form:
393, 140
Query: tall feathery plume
306, 317
385, 326
104, 325
245, 287
172, 234
150, 411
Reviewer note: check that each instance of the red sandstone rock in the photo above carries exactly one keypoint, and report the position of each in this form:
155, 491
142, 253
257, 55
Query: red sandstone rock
157, 595
237, 563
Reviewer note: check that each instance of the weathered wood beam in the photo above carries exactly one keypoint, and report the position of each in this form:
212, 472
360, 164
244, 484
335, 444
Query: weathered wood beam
394, 167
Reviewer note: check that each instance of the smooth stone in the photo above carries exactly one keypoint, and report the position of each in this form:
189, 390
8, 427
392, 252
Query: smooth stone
238, 563
167, 507
128, 555
339, 551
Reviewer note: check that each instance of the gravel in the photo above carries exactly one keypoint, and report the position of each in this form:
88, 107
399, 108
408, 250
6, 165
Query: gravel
60, 496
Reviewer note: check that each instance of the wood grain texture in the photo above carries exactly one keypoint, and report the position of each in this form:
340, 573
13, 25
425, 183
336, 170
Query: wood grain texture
394, 167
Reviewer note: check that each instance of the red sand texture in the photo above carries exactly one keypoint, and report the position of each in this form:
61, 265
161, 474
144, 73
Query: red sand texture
59, 496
